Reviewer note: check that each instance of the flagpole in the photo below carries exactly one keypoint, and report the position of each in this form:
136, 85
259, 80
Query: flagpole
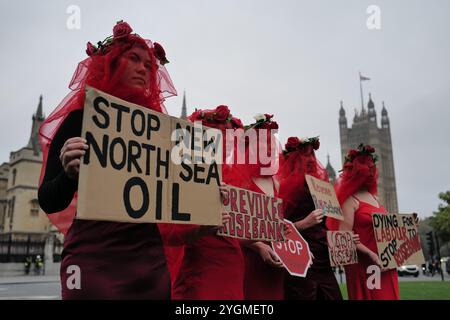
360, 88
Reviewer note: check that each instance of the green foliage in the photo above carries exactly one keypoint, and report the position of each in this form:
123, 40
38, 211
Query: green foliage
441, 218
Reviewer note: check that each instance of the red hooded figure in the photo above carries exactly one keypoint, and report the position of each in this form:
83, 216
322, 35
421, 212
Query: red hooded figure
205, 266
300, 159
113, 260
264, 273
356, 190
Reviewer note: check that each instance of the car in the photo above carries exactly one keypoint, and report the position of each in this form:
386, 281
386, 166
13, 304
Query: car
409, 270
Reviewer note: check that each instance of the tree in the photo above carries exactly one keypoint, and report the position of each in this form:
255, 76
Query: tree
441, 218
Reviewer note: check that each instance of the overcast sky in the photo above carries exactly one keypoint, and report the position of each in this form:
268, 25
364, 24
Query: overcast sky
296, 59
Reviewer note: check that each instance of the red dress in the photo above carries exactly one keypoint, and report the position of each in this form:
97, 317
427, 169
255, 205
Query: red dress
356, 274
261, 281
211, 268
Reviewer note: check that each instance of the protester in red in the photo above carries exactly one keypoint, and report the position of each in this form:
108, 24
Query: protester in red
300, 159
263, 270
208, 266
356, 190
111, 260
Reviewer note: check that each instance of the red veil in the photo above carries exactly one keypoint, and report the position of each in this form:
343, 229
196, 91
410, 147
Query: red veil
174, 234
219, 118
359, 171
103, 70
299, 159
266, 144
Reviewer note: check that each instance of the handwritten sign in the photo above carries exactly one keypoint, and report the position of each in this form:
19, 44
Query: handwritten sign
398, 240
128, 173
324, 197
254, 216
341, 248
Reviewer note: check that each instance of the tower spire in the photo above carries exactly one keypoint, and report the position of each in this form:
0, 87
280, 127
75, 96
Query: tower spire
38, 118
183, 107
330, 170
39, 113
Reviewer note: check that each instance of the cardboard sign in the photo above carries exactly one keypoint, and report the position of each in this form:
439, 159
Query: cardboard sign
130, 172
254, 216
341, 248
398, 240
294, 252
324, 197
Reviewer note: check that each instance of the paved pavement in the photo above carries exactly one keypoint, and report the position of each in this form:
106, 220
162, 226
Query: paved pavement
49, 288
30, 288
28, 279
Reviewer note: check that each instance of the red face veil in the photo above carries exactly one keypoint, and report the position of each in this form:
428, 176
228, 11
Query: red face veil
105, 69
220, 118
299, 159
261, 149
359, 172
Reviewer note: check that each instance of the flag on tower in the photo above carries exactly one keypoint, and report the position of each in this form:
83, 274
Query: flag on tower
362, 78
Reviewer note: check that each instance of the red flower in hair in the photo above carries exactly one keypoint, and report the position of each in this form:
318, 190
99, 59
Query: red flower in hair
369, 149
196, 115
292, 143
273, 125
90, 49
121, 30
353, 153
237, 122
160, 53
316, 145
222, 112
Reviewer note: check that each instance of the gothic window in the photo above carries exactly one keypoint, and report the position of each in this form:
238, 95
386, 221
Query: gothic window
34, 210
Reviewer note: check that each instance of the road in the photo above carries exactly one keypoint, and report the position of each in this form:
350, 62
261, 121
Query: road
30, 288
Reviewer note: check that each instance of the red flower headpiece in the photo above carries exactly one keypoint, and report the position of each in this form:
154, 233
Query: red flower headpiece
360, 151
121, 32
295, 143
263, 121
103, 70
160, 53
221, 114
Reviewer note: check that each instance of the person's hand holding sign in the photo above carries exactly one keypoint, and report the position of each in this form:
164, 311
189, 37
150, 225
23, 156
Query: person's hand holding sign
314, 218
224, 193
356, 239
286, 229
268, 255
70, 156
375, 259
207, 230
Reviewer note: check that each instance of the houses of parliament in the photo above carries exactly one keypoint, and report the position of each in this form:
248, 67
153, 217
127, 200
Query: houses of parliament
365, 129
